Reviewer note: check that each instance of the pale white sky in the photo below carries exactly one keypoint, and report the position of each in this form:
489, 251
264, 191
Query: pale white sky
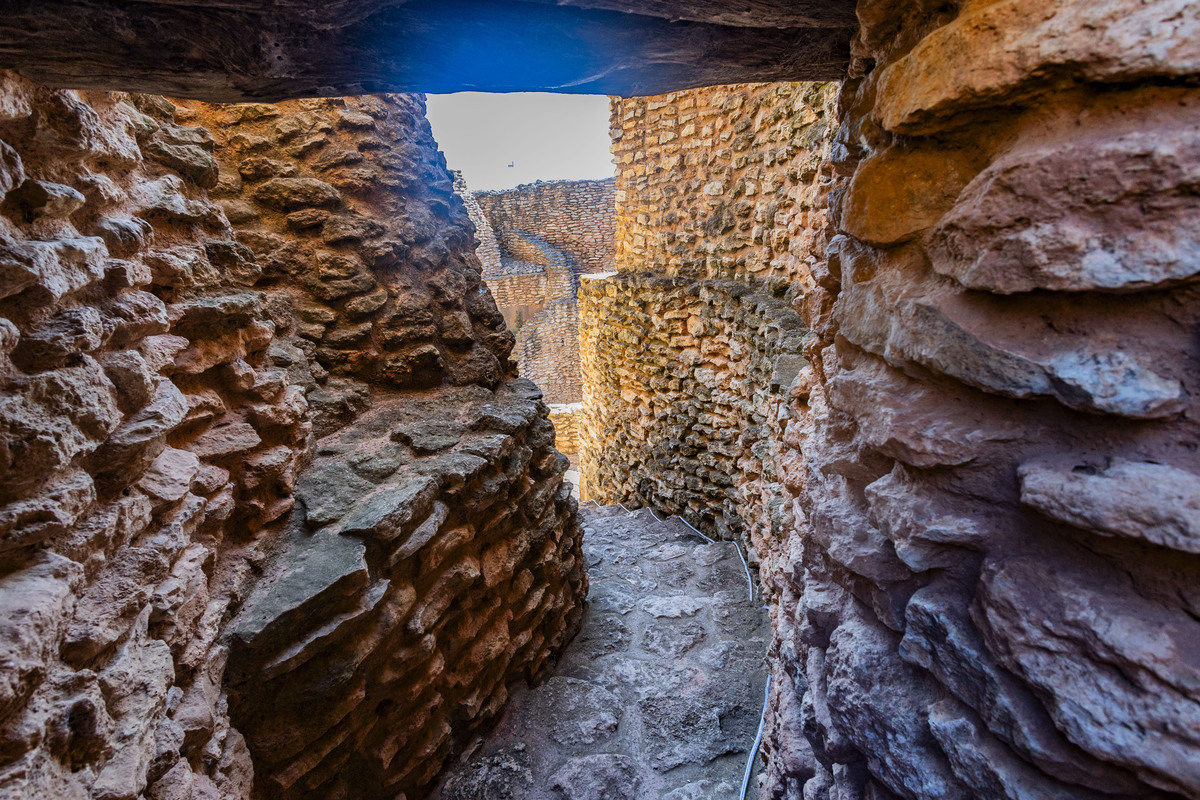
544, 136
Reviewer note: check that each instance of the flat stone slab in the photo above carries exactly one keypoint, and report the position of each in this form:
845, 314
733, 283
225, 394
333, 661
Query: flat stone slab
659, 696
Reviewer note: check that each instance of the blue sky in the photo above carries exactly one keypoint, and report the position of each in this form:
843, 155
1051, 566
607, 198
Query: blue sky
544, 136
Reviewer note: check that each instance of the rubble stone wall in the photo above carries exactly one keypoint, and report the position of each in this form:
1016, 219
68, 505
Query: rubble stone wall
724, 183
547, 235
201, 325
565, 418
548, 349
723, 191
575, 216
683, 390
488, 248
989, 583
519, 291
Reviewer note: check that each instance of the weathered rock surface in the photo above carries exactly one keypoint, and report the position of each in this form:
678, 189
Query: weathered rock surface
122, 523
156, 365
391, 624
659, 695
990, 508
977, 475
684, 383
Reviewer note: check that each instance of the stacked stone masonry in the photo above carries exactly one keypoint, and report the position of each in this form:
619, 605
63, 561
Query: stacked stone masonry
565, 418
209, 313
720, 208
683, 394
534, 242
487, 247
574, 216
724, 183
984, 456
1001, 392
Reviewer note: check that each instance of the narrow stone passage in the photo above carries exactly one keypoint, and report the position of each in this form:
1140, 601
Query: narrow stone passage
660, 695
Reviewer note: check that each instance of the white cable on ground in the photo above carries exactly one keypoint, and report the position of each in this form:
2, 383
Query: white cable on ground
693, 527
622, 505
746, 566
762, 721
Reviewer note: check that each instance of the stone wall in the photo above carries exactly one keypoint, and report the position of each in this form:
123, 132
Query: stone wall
722, 191
548, 234
487, 247
202, 325
145, 432
548, 347
975, 451
989, 583
723, 183
683, 386
574, 216
565, 419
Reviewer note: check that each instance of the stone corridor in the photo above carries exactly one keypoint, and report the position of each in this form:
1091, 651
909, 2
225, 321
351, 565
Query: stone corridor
660, 694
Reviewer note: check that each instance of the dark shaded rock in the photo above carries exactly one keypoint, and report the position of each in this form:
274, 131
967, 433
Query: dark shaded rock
124, 236
127, 453
387, 513
35, 603
189, 160
630, 50
52, 341
599, 777
1153, 502
429, 437
328, 491
320, 569
226, 439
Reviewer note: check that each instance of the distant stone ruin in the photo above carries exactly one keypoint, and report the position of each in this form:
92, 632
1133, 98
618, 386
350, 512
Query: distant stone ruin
535, 242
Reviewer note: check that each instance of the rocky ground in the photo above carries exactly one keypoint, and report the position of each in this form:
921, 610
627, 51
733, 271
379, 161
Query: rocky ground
661, 693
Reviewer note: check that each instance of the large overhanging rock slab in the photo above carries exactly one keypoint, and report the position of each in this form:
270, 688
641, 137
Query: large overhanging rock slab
260, 50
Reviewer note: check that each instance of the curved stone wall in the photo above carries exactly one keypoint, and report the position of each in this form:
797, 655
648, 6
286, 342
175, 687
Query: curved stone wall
201, 327
488, 249
574, 216
547, 235
683, 388
1000, 397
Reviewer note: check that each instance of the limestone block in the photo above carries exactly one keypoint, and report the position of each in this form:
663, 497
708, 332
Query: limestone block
1024, 223
1156, 503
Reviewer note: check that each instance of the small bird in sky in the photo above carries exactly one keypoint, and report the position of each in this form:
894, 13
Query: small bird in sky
511, 164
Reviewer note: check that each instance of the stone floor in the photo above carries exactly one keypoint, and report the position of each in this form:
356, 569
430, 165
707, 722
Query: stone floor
660, 695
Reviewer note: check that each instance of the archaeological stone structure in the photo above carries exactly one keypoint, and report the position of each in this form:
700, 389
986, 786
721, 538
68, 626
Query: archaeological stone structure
278, 513
689, 349
535, 242
279, 518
